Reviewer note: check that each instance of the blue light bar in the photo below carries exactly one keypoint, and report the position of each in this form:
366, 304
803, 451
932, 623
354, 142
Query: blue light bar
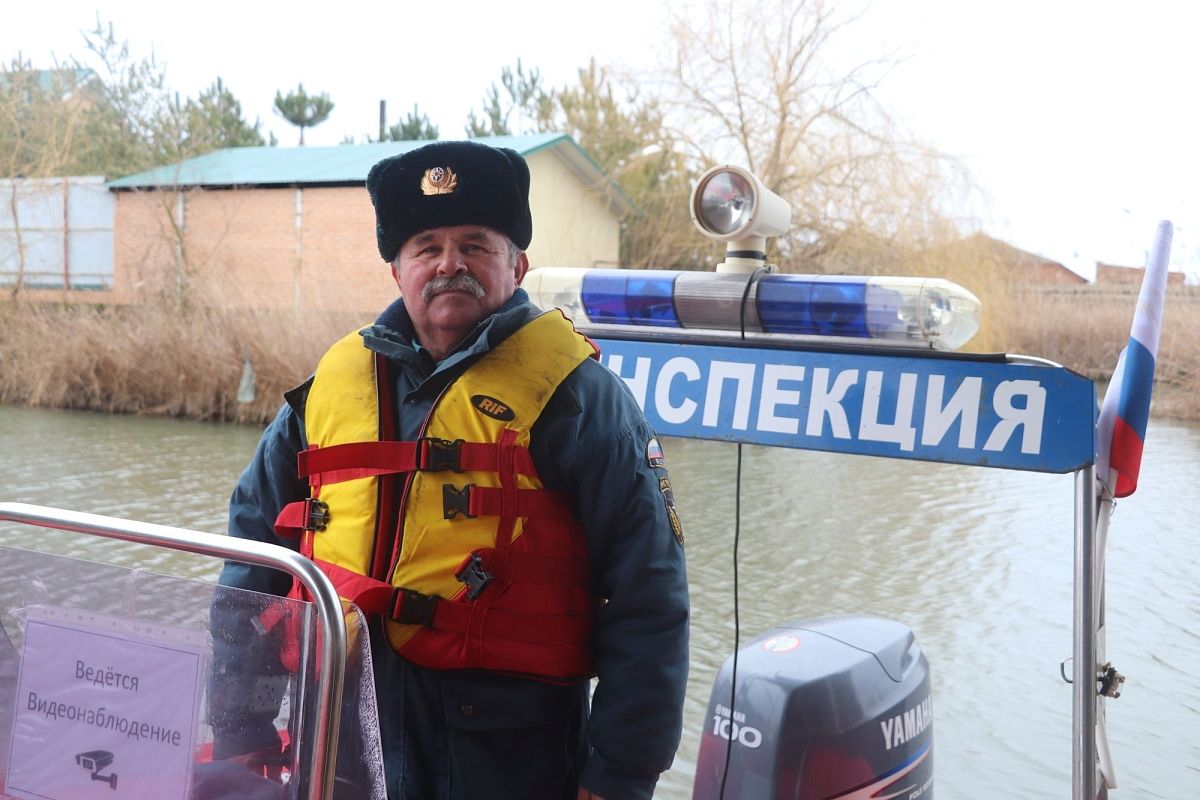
923, 312
814, 309
629, 297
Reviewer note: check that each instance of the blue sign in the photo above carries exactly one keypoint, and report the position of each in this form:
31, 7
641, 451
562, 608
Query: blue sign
927, 408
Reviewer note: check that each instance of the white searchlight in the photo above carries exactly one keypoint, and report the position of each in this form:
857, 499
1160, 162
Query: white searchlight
731, 205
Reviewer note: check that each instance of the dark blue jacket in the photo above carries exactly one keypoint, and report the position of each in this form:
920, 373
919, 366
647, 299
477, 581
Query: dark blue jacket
470, 733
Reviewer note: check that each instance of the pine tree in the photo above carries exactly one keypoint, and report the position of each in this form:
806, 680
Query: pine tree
416, 126
214, 120
303, 110
525, 96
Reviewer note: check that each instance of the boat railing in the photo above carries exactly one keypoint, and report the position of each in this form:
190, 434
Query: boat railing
330, 622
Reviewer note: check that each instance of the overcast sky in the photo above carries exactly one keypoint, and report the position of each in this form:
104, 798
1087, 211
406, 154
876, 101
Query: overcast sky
1078, 119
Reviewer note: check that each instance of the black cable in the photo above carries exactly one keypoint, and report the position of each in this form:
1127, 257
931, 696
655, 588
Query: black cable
737, 533
737, 520
754, 276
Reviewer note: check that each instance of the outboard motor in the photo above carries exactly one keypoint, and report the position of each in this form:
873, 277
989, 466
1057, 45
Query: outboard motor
836, 708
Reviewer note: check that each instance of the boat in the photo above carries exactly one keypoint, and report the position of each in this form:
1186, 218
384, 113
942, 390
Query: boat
835, 708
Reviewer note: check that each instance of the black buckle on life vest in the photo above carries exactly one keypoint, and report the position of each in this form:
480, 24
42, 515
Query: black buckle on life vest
316, 514
456, 501
441, 455
474, 575
415, 608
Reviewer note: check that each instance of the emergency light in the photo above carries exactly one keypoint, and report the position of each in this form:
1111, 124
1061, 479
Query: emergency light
916, 312
730, 204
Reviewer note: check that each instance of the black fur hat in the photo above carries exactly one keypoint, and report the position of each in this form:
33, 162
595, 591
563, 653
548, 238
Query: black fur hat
450, 183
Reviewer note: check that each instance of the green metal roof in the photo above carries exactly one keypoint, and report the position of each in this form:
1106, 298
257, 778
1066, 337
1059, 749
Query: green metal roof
296, 166
341, 165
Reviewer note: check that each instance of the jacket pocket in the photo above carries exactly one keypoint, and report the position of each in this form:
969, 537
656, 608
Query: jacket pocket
513, 738
476, 701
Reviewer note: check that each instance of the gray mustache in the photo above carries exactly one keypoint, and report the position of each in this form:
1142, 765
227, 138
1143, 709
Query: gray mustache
463, 282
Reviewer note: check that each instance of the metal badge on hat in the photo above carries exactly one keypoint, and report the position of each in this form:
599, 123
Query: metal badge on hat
438, 180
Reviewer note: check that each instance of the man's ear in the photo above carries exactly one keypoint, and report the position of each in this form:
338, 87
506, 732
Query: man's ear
396, 273
519, 269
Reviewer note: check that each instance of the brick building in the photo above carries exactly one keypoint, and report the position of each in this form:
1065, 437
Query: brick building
1019, 267
1114, 275
275, 227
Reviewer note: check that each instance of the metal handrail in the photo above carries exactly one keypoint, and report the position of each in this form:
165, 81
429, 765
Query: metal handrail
1089, 608
331, 625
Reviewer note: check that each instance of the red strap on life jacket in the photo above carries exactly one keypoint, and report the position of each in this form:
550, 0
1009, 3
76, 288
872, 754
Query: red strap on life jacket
291, 520
507, 496
296, 519
531, 568
346, 462
300, 518
488, 501
377, 597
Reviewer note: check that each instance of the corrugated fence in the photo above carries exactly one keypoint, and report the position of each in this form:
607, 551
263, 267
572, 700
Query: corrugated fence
56, 233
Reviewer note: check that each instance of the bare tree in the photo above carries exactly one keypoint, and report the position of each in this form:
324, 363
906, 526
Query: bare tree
106, 113
752, 83
40, 115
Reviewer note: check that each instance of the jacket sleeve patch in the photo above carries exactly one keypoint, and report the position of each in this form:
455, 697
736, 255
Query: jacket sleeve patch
664, 486
654, 454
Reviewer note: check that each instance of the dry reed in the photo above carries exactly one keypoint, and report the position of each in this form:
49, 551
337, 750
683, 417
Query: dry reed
1085, 328
188, 362
159, 360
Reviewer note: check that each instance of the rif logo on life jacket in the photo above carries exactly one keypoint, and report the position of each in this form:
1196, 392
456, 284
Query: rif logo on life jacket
492, 407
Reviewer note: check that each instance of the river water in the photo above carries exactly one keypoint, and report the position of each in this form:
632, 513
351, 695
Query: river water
977, 562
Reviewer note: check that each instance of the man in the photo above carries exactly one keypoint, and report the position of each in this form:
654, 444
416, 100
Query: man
524, 540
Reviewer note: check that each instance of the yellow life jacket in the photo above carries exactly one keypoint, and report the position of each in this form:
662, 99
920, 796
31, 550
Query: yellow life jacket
452, 537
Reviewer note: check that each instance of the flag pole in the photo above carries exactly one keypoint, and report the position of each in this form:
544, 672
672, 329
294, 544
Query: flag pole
1120, 435
1083, 664
1109, 687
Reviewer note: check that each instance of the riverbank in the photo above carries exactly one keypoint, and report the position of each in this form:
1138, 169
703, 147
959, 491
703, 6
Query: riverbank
1086, 327
190, 362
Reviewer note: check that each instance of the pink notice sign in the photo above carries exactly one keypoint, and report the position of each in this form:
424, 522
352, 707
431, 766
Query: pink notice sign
106, 708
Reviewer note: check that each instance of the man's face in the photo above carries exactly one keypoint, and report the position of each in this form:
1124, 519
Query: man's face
451, 278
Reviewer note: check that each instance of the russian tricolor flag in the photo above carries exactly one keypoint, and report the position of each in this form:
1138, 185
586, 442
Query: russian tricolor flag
1121, 428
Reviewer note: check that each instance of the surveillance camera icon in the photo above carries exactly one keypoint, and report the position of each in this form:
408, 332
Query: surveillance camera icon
94, 761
